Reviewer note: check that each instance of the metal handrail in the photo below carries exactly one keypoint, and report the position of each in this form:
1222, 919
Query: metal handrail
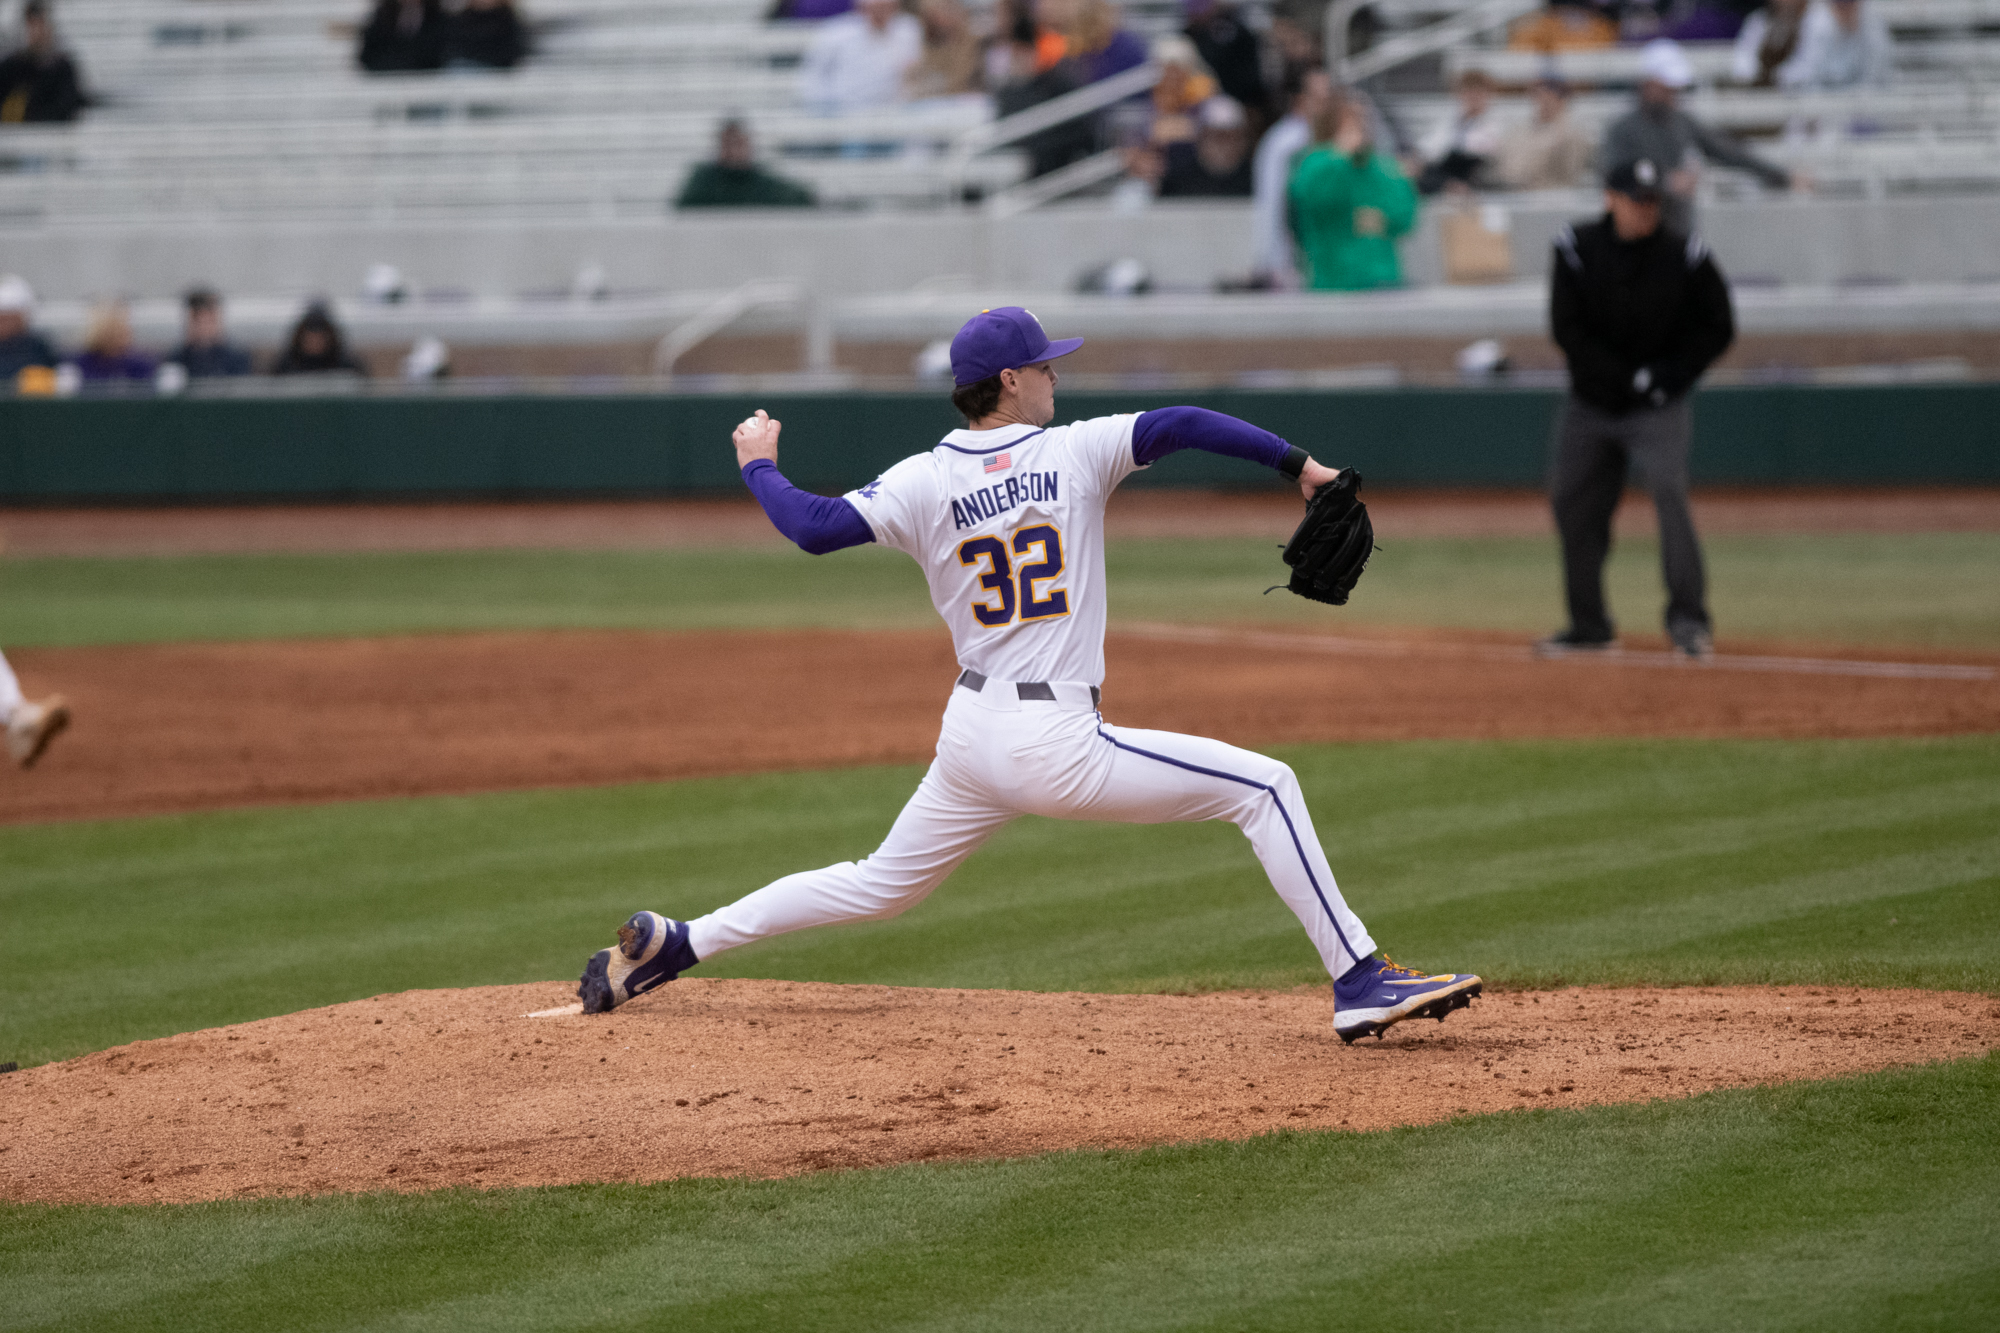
732, 306
1407, 46
1080, 175
1056, 111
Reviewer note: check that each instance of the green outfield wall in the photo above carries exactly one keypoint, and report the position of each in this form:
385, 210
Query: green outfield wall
133, 450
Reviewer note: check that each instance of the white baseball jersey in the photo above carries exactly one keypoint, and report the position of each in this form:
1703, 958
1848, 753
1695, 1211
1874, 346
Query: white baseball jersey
1008, 526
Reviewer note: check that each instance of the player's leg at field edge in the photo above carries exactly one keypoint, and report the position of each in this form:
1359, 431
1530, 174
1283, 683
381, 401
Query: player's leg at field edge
941, 825
10, 692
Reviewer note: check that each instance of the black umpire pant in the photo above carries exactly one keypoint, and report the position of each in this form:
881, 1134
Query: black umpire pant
1593, 451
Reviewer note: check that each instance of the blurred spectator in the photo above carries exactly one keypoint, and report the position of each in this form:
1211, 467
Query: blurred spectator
1458, 152
950, 64
1548, 153
39, 82
1185, 83
1051, 42
403, 35
205, 351
1020, 48
1027, 84
20, 346
1841, 45
1349, 203
317, 346
485, 34
1217, 163
1274, 264
1563, 25
997, 67
107, 355
1232, 51
1297, 39
734, 180
1096, 36
858, 60
1768, 40
1707, 20
1659, 131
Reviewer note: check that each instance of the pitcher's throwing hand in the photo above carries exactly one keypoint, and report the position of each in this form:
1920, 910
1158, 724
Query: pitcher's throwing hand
757, 438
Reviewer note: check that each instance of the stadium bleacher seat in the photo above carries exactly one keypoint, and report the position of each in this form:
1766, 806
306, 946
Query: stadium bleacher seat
252, 109
247, 117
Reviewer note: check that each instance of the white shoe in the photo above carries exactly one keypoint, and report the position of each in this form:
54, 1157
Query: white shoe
33, 726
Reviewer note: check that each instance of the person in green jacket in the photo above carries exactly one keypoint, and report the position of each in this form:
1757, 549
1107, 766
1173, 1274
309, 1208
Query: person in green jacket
1349, 203
734, 180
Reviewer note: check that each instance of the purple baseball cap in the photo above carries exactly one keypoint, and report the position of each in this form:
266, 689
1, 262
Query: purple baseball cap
1006, 338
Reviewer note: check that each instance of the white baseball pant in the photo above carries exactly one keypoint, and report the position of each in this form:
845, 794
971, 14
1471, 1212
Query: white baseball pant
999, 756
10, 691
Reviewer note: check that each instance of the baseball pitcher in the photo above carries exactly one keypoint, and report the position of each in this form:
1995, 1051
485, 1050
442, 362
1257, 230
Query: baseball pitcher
1006, 518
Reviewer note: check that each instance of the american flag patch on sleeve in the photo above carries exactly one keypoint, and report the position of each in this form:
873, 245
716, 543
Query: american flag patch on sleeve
998, 462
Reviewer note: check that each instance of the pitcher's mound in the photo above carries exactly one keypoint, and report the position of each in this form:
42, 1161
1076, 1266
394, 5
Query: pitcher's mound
771, 1078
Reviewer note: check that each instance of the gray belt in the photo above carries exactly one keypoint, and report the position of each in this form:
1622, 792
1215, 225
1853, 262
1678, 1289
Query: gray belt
1025, 689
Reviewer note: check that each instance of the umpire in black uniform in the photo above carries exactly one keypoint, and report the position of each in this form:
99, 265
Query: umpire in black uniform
1639, 311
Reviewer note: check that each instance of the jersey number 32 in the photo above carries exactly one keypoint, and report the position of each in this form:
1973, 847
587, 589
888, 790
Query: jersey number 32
1042, 563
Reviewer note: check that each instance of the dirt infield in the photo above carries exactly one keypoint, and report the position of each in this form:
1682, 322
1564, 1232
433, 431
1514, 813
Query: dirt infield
771, 1078
195, 726
737, 521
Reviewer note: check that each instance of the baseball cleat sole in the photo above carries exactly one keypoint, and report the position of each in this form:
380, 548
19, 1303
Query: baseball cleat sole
594, 988
1357, 1023
651, 951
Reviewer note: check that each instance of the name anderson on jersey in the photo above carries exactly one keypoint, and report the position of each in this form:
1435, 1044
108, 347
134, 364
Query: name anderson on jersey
975, 507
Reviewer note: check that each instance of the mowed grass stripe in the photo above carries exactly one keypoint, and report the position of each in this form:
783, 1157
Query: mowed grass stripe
1669, 862
1856, 1204
1926, 589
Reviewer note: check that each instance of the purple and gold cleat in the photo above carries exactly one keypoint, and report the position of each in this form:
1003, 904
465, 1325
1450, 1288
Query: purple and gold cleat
652, 950
1377, 995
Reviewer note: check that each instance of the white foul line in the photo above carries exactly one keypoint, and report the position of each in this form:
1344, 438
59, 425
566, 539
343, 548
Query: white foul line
1493, 652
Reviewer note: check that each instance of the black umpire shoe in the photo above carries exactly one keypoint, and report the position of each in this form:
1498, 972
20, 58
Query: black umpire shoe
1569, 642
1692, 641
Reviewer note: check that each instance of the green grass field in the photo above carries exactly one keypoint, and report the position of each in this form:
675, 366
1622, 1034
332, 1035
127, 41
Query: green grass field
1671, 862
1927, 589
1861, 1204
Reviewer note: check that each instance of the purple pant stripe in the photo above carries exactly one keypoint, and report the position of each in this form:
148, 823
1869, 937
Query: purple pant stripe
1285, 814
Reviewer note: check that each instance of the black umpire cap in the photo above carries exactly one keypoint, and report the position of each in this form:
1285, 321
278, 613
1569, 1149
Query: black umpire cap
1638, 179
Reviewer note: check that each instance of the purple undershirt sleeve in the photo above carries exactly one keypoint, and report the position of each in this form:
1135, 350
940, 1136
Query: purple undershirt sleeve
818, 523
1164, 430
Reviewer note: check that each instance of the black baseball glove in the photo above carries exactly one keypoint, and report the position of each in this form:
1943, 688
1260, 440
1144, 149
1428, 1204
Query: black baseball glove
1333, 542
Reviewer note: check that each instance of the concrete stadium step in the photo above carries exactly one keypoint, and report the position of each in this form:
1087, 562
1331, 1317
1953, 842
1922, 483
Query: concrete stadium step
1764, 245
